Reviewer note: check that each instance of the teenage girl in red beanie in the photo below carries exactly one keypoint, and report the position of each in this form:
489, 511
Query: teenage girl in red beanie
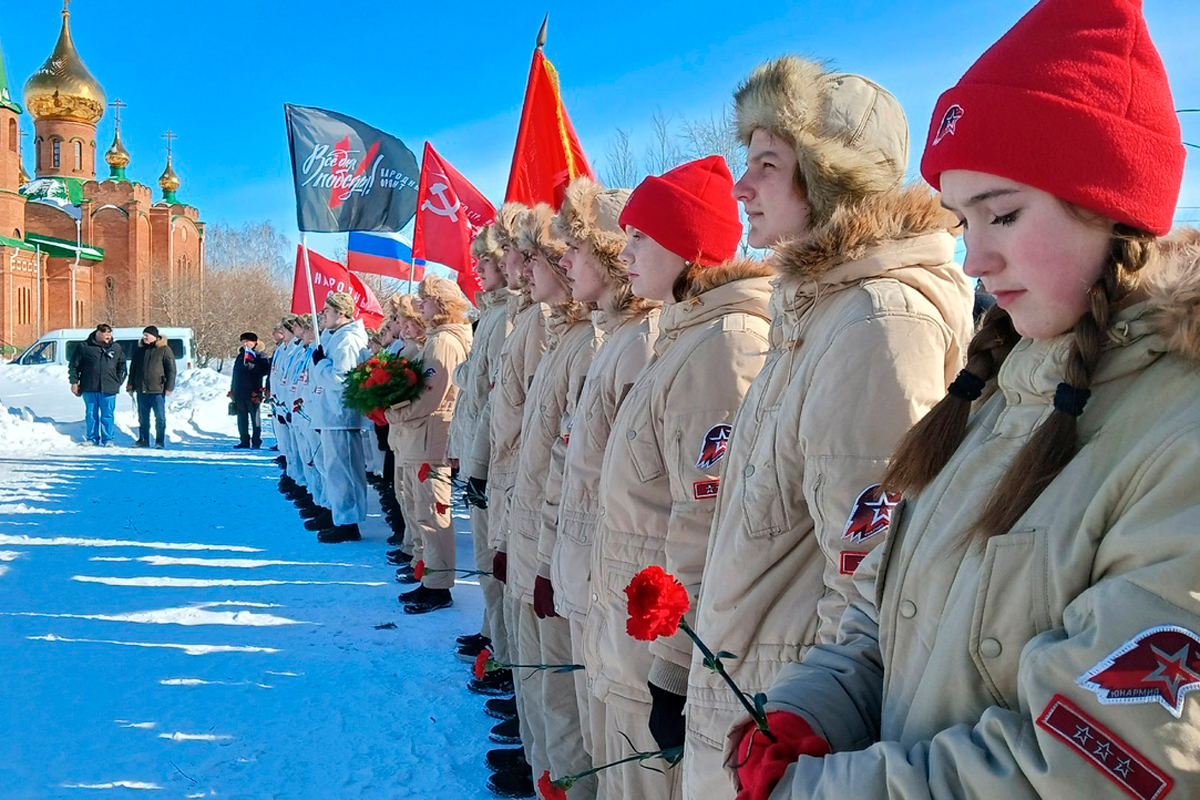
1032, 627
664, 455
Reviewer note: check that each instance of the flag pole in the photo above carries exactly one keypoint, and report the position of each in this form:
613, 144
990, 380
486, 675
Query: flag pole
312, 298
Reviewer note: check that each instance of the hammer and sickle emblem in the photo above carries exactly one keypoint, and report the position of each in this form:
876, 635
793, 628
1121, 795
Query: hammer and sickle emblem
445, 209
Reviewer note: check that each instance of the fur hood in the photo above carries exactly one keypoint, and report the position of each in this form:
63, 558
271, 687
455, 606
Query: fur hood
486, 244
589, 215
850, 134
508, 219
854, 230
705, 279
535, 234
1173, 289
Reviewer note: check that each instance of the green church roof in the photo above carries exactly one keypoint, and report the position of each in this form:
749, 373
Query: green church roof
6, 98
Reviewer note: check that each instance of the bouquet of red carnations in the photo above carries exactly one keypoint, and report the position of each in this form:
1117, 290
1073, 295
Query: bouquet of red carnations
381, 382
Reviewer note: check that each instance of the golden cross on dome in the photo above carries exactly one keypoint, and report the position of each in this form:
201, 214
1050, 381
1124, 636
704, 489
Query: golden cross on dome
66, 11
116, 105
170, 137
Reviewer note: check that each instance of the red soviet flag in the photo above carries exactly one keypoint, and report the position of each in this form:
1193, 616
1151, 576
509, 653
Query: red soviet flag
548, 155
449, 213
329, 276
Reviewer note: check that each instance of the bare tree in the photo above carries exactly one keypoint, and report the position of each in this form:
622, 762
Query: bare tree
663, 152
621, 167
715, 135
253, 244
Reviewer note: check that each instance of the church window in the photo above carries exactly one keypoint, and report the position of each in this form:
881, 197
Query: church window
57, 163
78, 156
12, 135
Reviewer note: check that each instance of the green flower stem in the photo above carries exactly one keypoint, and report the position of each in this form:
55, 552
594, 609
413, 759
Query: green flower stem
714, 663
671, 755
466, 573
491, 665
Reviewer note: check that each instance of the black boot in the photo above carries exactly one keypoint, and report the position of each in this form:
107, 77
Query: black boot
313, 511
398, 527
501, 708
304, 501
468, 652
512, 783
495, 683
320, 522
398, 557
471, 638
406, 575
432, 600
340, 533
507, 759
411, 595
506, 732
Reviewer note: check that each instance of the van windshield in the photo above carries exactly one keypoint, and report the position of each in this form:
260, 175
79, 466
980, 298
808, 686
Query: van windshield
40, 353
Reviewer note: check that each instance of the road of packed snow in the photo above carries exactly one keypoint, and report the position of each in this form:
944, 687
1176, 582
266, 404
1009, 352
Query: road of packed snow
169, 629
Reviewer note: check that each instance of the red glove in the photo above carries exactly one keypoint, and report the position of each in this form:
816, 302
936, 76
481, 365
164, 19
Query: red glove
543, 598
761, 762
500, 566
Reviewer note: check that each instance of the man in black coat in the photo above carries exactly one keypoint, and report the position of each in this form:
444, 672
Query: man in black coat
96, 372
152, 376
249, 369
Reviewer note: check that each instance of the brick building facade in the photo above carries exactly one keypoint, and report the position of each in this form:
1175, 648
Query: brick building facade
134, 260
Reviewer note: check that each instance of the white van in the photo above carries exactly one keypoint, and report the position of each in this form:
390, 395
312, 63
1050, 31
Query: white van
57, 347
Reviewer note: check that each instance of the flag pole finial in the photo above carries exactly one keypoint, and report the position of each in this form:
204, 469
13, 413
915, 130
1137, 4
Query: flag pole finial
541, 39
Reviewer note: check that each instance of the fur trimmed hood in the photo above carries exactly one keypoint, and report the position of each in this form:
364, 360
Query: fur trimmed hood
486, 244
508, 220
854, 230
534, 234
1173, 289
589, 215
850, 134
705, 279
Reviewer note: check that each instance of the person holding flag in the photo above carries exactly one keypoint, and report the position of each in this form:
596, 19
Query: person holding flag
343, 345
421, 433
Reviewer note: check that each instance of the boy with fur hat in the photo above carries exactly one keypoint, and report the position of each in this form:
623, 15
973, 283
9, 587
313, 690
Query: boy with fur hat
420, 432
312, 505
277, 382
344, 341
663, 460
473, 416
870, 322
1032, 629
548, 705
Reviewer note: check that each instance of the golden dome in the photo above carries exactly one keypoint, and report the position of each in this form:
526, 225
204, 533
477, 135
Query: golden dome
117, 155
169, 181
63, 88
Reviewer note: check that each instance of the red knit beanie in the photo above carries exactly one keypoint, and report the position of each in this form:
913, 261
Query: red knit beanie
1073, 101
690, 211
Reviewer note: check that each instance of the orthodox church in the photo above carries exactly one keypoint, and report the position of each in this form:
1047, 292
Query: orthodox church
77, 250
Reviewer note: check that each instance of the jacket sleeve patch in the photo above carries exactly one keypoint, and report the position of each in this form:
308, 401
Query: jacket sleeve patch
850, 562
705, 490
716, 442
1101, 748
1159, 665
871, 514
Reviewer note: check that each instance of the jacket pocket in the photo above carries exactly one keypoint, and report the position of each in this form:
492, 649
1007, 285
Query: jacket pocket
1010, 609
645, 451
762, 498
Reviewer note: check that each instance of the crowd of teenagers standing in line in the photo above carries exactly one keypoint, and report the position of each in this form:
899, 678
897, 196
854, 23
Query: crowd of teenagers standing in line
951, 557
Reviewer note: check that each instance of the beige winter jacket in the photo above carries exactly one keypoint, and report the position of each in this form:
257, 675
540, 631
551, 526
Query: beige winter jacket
664, 459
549, 406
1059, 659
871, 324
628, 345
519, 358
474, 378
420, 430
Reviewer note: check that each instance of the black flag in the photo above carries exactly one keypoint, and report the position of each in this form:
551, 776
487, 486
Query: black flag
348, 175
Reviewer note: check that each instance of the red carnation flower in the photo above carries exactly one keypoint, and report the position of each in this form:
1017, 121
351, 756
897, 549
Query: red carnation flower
411, 377
481, 662
442, 508
378, 377
657, 602
377, 417
423, 472
419, 569
548, 789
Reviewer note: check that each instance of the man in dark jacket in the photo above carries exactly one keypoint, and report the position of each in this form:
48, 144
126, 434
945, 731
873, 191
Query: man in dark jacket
96, 372
152, 376
249, 369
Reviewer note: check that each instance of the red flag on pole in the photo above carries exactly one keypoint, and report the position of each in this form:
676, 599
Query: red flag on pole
548, 155
449, 213
329, 276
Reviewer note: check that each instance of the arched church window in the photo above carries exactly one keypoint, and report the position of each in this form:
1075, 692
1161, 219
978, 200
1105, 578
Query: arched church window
78, 156
57, 161
12, 135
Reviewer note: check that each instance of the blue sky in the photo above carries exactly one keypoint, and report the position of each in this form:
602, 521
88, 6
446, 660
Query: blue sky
217, 73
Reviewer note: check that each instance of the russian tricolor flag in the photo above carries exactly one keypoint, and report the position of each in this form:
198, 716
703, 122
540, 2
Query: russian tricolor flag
383, 254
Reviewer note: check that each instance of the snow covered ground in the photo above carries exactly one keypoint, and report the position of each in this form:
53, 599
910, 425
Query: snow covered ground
169, 629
